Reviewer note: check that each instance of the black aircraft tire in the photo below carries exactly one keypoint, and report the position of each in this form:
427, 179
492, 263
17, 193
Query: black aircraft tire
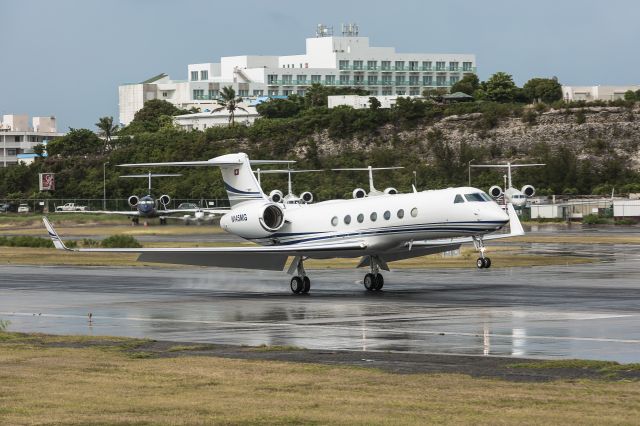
487, 262
296, 285
369, 282
306, 285
480, 263
379, 282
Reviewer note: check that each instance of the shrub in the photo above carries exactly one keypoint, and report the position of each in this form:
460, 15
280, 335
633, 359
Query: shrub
580, 117
120, 241
529, 117
593, 219
26, 241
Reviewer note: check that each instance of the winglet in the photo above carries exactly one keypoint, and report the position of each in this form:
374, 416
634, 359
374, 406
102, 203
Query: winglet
514, 223
57, 242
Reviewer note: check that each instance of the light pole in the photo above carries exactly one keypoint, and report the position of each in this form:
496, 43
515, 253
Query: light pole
415, 179
104, 185
470, 161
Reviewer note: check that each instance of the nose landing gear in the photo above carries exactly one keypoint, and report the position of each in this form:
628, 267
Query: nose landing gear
482, 262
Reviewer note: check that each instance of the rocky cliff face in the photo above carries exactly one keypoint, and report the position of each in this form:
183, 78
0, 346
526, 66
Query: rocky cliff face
593, 132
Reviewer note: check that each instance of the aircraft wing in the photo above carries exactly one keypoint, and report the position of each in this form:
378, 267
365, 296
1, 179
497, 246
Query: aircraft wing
253, 257
515, 230
219, 212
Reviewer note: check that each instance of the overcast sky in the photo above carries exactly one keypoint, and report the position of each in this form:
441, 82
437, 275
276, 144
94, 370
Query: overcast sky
67, 57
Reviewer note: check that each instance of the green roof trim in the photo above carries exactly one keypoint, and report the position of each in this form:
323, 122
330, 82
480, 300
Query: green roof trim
154, 78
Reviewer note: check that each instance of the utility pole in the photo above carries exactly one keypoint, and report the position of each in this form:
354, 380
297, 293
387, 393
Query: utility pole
469, 165
104, 185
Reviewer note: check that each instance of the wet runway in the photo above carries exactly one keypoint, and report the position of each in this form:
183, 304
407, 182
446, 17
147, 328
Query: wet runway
581, 311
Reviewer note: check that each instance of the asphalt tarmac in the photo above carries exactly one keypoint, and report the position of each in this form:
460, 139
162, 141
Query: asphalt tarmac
589, 311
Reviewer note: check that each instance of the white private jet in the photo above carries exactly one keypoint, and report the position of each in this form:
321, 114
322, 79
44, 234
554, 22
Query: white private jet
276, 195
377, 229
517, 197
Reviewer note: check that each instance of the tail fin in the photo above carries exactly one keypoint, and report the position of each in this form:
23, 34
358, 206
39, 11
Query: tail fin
57, 242
239, 180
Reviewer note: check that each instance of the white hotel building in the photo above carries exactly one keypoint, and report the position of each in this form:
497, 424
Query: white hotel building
17, 137
346, 60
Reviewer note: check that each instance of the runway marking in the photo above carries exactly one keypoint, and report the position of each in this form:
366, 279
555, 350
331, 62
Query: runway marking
239, 326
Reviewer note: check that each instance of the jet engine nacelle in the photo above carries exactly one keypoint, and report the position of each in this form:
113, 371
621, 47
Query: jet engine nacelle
495, 191
391, 191
133, 201
164, 200
359, 193
253, 220
528, 190
276, 196
307, 197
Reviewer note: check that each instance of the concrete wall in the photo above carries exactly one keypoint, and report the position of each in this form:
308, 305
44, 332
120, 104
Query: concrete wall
596, 93
15, 122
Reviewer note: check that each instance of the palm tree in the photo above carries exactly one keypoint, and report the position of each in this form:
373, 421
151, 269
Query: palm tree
229, 102
106, 129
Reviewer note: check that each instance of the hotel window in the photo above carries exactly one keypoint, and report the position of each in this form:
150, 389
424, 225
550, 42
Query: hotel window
213, 93
244, 92
385, 65
302, 79
300, 92
440, 66
413, 80
441, 80
386, 79
357, 65
400, 80
204, 75
386, 92
373, 92
330, 79
427, 80
453, 66
287, 92
165, 94
414, 91
316, 78
258, 92
401, 92
372, 65
194, 75
399, 65
286, 79
11, 152
454, 79
272, 79
198, 94
467, 66
372, 79
344, 80
413, 65
17, 138
273, 92
358, 79
426, 65
343, 65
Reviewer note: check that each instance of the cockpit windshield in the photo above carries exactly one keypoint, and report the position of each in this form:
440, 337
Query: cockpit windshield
477, 196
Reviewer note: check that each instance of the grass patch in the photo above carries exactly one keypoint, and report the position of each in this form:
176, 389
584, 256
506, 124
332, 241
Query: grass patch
120, 241
93, 386
579, 364
25, 241
188, 348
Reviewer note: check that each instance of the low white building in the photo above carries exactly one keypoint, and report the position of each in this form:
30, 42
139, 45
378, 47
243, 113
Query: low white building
342, 61
17, 137
596, 93
626, 208
361, 102
203, 120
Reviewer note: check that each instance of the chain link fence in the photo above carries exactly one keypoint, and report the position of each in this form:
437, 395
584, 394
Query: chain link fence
113, 204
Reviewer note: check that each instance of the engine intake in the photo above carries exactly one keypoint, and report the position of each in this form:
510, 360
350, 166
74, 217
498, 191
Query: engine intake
391, 191
254, 220
495, 191
307, 197
528, 190
359, 193
272, 218
164, 200
133, 201
276, 196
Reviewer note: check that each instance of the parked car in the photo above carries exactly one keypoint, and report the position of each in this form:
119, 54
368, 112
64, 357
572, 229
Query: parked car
23, 208
71, 207
188, 206
8, 207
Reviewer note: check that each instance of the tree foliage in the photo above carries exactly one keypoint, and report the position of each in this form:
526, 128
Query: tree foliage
229, 101
469, 84
498, 88
546, 90
152, 117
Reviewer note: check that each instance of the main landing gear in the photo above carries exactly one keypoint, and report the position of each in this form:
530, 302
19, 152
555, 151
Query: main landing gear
135, 221
373, 281
300, 283
482, 262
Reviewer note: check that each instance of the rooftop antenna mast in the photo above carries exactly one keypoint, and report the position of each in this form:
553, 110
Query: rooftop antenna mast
324, 31
350, 30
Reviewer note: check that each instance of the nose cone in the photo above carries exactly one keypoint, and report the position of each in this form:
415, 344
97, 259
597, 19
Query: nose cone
497, 215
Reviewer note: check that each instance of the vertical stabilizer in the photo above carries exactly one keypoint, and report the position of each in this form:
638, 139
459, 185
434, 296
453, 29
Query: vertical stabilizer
239, 181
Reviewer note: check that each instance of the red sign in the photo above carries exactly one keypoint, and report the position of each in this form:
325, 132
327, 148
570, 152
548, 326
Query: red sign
47, 181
